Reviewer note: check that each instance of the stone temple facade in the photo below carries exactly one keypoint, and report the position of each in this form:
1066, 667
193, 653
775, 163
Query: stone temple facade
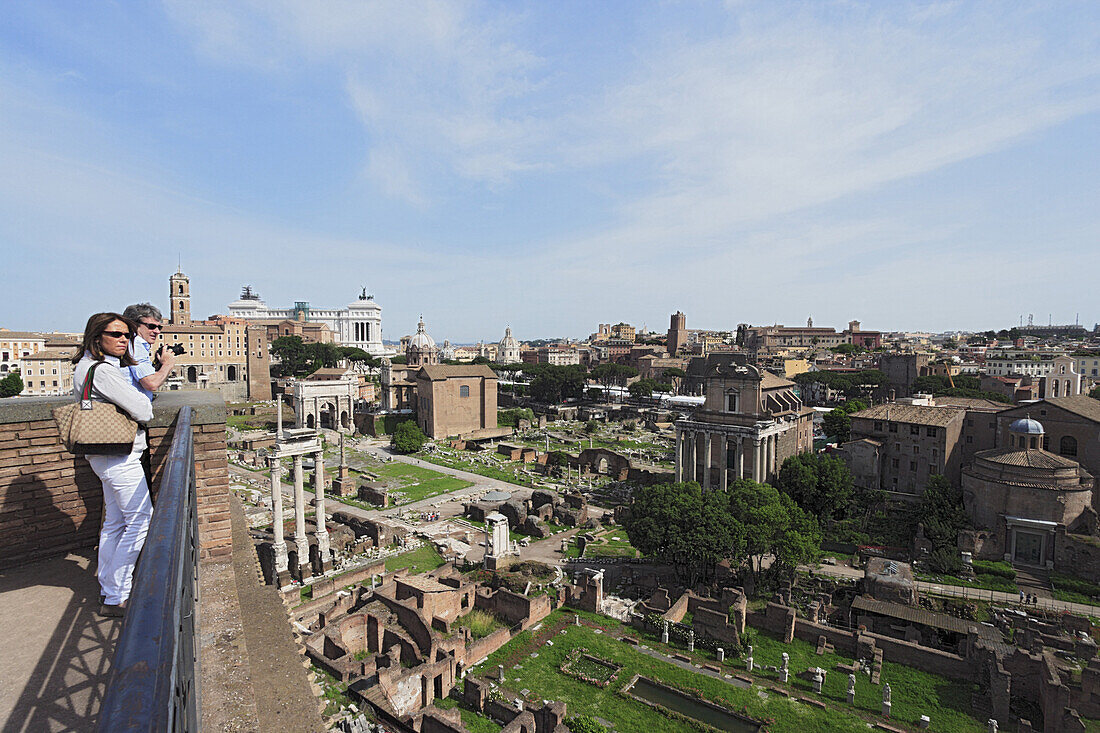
1021, 498
751, 421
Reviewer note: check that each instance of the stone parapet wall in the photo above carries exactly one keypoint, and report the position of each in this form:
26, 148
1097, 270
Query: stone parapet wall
52, 503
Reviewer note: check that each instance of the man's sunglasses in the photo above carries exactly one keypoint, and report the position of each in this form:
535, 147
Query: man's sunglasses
152, 326
117, 334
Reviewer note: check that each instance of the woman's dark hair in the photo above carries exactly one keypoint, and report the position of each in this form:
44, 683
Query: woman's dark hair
97, 324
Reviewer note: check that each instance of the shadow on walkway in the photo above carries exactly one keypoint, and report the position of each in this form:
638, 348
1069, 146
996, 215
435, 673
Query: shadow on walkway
55, 652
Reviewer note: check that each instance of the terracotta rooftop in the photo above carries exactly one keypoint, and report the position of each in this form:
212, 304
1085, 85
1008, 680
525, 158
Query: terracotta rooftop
914, 414
973, 403
21, 336
1029, 458
1082, 405
438, 372
52, 354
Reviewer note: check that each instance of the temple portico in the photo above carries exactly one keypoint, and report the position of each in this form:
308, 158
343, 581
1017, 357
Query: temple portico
296, 444
714, 454
749, 424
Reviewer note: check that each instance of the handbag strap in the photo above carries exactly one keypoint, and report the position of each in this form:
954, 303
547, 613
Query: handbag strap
86, 390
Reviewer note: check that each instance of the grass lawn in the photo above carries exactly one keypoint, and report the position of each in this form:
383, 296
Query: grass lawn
417, 483
474, 722
420, 560
1072, 589
544, 675
984, 581
915, 693
501, 474
480, 623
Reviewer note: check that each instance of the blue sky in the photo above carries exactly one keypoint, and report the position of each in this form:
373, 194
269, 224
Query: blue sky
555, 165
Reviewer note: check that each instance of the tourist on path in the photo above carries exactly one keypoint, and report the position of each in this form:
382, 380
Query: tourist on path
126, 505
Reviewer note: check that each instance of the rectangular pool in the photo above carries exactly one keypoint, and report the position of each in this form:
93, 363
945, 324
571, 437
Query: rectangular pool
709, 713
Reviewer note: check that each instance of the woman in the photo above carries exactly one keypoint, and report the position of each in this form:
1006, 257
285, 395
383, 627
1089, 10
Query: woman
126, 505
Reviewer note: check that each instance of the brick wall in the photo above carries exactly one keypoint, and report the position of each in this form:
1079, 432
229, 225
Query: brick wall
52, 503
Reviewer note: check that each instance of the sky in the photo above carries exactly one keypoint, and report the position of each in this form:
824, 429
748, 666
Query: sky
555, 165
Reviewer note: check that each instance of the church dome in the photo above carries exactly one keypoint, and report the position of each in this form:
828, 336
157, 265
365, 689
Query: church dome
509, 341
1027, 426
421, 340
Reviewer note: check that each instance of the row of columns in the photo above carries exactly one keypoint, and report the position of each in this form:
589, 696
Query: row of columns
301, 540
762, 451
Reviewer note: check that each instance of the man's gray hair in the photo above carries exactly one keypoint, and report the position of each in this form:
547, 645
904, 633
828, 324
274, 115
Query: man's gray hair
142, 310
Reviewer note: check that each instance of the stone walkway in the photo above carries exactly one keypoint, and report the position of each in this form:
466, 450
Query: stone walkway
56, 651
956, 591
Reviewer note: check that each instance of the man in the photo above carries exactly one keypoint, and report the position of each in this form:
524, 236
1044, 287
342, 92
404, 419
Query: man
144, 375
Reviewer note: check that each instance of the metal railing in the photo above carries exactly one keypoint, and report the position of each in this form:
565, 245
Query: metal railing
154, 683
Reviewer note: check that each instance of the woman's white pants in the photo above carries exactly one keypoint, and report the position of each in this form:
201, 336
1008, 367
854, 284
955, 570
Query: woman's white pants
127, 510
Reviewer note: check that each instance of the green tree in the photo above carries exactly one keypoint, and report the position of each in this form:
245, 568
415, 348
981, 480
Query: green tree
837, 423
819, 483
594, 393
408, 437
677, 524
1095, 393
11, 385
557, 383
943, 515
292, 354
613, 374
765, 522
642, 388
591, 427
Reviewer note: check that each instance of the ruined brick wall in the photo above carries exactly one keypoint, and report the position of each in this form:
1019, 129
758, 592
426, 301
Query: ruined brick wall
514, 608
52, 503
894, 650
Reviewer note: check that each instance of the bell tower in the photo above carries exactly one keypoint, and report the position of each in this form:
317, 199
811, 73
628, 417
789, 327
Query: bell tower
179, 295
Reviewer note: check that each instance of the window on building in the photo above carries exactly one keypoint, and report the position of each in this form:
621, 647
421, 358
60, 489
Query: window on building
464, 391
931, 432
733, 400
893, 427
895, 463
912, 465
1067, 446
914, 429
878, 425
970, 439
931, 468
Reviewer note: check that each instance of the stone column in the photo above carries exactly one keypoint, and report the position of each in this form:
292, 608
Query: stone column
279, 546
757, 459
323, 551
706, 461
723, 461
679, 455
739, 469
300, 539
690, 474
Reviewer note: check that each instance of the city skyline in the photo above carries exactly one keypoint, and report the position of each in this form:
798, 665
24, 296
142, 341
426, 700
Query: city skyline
916, 167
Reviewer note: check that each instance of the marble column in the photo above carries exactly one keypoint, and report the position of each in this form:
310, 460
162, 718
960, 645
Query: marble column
707, 460
723, 461
319, 499
679, 455
300, 539
739, 469
690, 475
757, 458
279, 546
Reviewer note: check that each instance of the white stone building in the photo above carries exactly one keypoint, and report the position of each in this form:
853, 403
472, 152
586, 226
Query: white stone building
508, 349
358, 324
326, 399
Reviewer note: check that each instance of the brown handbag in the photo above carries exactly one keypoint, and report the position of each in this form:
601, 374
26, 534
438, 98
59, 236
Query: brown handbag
88, 427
